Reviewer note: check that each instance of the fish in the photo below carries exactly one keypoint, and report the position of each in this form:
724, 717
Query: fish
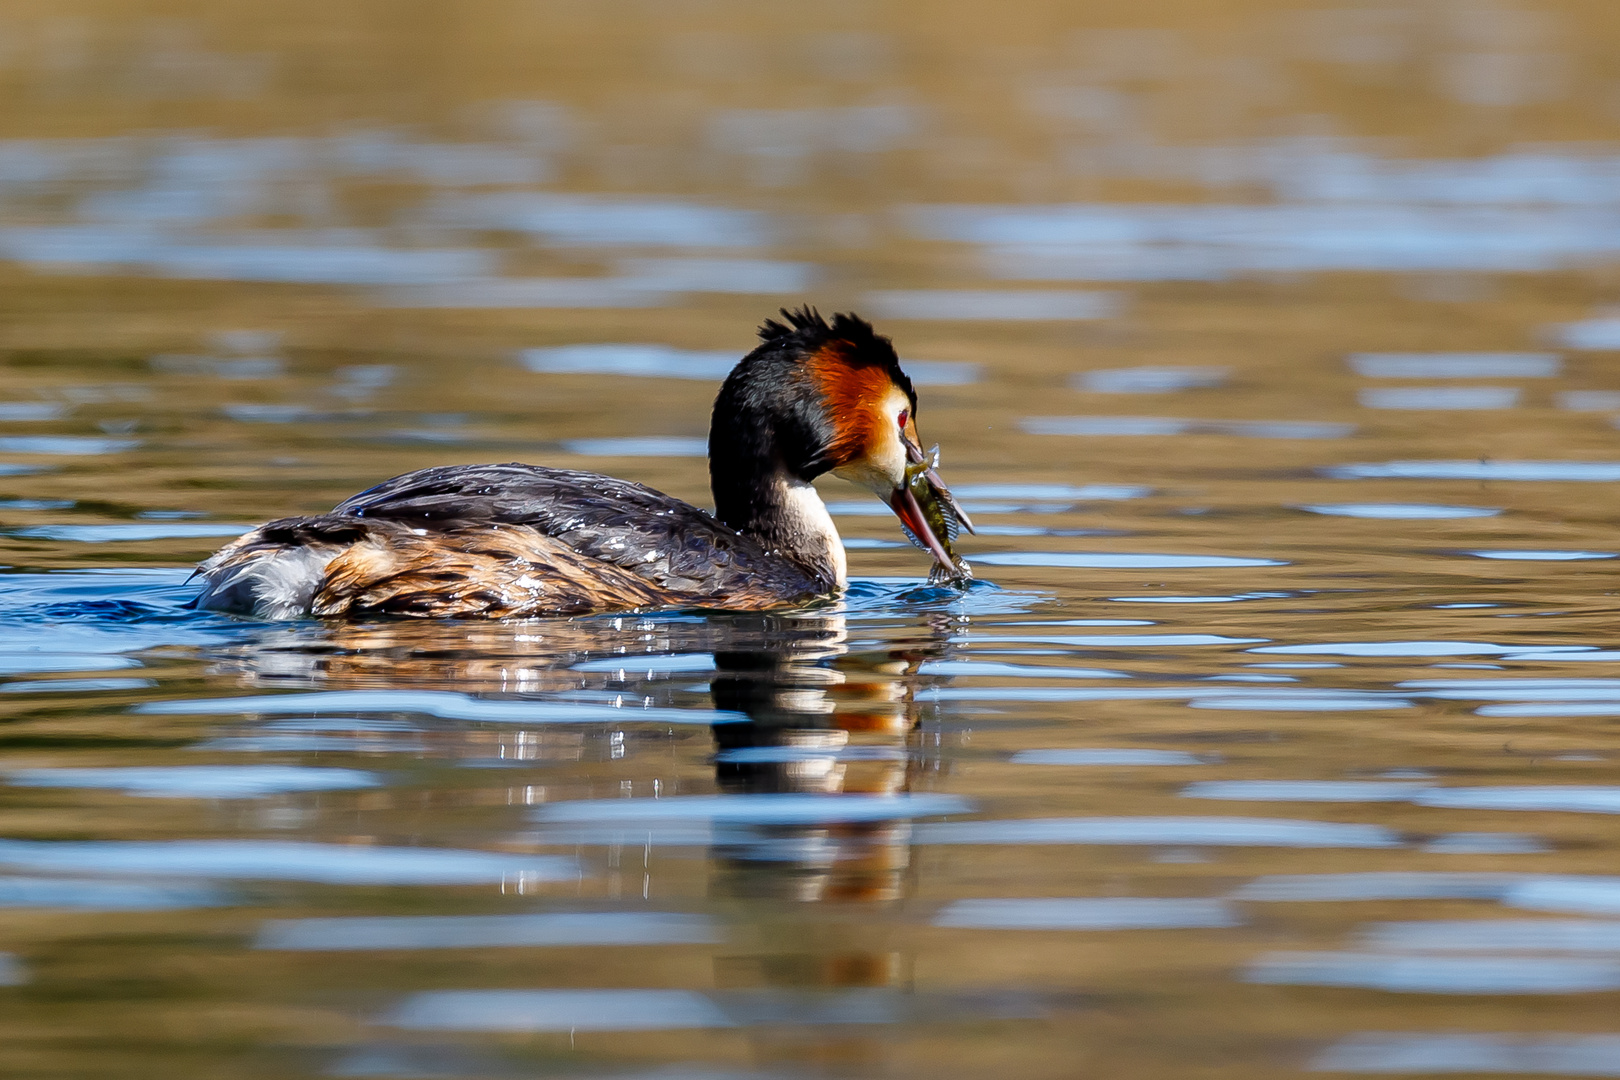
943, 516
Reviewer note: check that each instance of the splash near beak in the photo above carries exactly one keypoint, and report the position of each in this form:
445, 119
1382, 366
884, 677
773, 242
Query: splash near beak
931, 518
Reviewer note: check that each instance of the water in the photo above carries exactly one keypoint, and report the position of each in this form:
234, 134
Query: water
1272, 348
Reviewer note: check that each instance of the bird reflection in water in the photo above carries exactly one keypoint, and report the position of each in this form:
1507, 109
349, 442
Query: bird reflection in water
533, 656
823, 720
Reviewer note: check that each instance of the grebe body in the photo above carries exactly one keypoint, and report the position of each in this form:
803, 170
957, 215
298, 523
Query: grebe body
513, 540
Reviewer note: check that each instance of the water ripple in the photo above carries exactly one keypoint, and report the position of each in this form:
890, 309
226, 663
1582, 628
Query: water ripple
334, 864
1444, 365
770, 809
1400, 511
1437, 974
1596, 472
1088, 913
567, 929
1186, 831
1105, 756
1098, 560
1452, 1052
441, 703
198, 781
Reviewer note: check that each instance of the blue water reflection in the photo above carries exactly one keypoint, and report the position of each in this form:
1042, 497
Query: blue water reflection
1154, 425
1303, 790
31, 663
74, 686
1439, 397
1116, 561
1390, 648
1601, 333
1290, 700
591, 221
1088, 913
1057, 492
1589, 400
1596, 472
1485, 843
650, 361
97, 894
558, 1010
1406, 974
1187, 831
335, 864
1105, 756
1455, 365
1400, 511
197, 781
1571, 799
127, 533
651, 666
662, 1010
1453, 1052
539, 292
64, 445
1542, 556
747, 276
1499, 935
1567, 894
562, 929
13, 411
1236, 598
639, 446
760, 809
1145, 242
992, 669
443, 703
1149, 380
1381, 885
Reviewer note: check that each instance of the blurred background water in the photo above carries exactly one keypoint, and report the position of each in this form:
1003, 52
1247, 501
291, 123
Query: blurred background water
1272, 344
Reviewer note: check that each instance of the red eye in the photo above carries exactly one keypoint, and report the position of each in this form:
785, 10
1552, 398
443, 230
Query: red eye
905, 415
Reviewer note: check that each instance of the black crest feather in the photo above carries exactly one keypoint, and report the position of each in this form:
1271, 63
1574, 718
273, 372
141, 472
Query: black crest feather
807, 330
811, 329
804, 318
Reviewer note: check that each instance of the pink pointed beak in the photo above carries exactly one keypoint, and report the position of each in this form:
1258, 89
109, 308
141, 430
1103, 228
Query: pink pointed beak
910, 512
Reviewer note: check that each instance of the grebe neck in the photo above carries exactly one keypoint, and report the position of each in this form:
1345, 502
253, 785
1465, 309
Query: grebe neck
785, 514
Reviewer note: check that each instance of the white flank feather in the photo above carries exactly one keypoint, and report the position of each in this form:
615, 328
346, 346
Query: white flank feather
278, 583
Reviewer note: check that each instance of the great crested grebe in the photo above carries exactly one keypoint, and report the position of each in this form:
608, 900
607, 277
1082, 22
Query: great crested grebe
493, 541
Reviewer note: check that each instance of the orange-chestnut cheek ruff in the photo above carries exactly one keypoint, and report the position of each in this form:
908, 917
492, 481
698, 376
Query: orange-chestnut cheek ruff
870, 449
863, 404
875, 439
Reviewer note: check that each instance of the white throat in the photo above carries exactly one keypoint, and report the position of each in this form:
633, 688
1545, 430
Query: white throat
805, 515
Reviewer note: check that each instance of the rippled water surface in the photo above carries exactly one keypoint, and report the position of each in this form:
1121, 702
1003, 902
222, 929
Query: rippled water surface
1272, 346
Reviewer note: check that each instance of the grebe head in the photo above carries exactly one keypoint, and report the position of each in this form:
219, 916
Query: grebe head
822, 396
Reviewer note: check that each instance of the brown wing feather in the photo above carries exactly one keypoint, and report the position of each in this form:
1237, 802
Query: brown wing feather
492, 571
